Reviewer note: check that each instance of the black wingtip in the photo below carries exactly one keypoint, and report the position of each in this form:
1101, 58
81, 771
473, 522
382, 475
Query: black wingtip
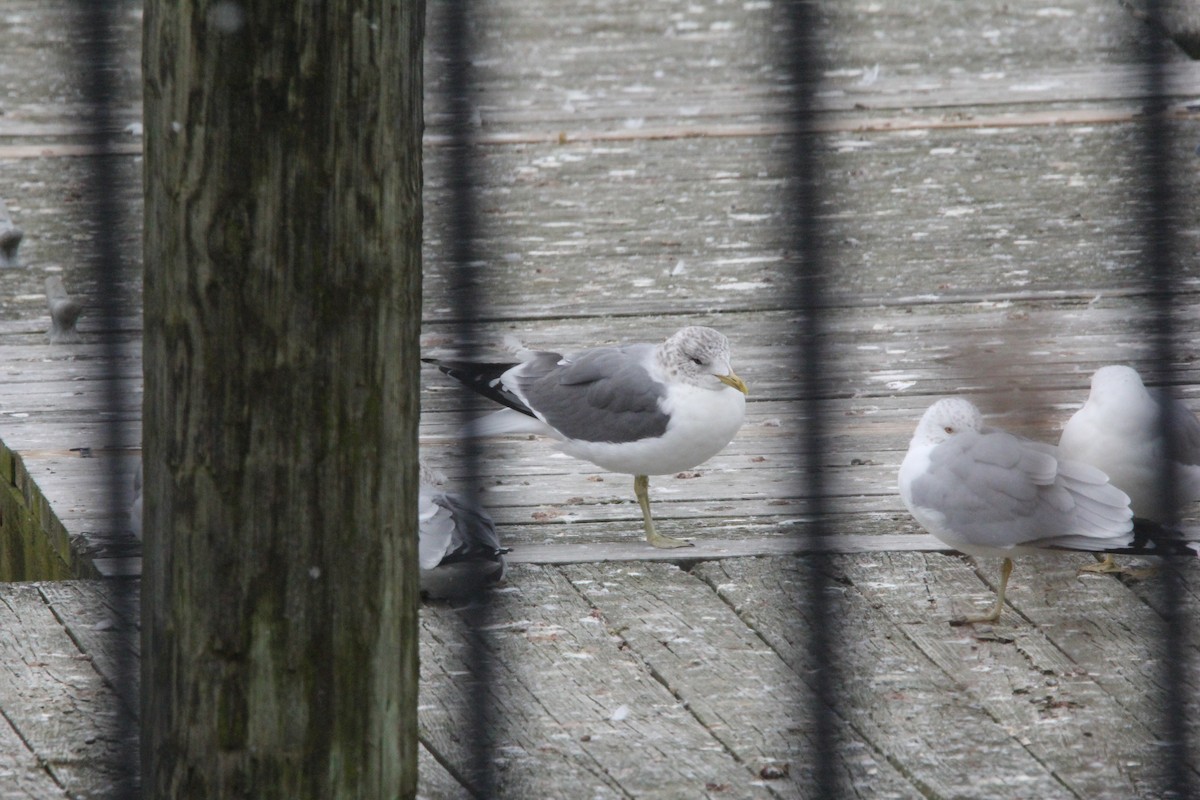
1152, 539
483, 378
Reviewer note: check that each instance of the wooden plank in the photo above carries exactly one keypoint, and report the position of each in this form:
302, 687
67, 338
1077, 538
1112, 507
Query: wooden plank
54, 698
737, 687
1117, 639
709, 550
574, 707
955, 233
1053, 705
884, 684
555, 129
16, 151
826, 124
102, 618
66, 435
712, 61
434, 782
22, 775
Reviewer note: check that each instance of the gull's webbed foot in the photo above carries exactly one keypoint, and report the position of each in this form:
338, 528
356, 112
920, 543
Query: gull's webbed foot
1109, 566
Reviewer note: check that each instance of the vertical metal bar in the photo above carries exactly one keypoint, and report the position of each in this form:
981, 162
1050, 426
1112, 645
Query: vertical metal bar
464, 267
1158, 252
804, 200
95, 31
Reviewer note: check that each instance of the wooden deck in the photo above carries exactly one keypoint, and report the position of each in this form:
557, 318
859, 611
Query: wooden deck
979, 205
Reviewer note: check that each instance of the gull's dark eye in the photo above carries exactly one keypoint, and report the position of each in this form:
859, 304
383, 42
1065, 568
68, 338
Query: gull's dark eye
949, 429
697, 361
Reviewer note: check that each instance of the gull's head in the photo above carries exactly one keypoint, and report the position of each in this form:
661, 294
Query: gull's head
946, 418
699, 356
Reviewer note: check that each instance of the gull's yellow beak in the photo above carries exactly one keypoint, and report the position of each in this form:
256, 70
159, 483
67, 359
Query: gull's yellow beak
735, 382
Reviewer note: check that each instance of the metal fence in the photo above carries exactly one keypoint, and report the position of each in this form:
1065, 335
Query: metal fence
95, 30
799, 47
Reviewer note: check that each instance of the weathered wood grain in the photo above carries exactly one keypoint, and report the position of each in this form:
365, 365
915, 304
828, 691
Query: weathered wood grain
22, 775
103, 619
885, 688
1053, 705
733, 683
708, 549
710, 235
575, 706
1091, 620
54, 698
434, 782
281, 412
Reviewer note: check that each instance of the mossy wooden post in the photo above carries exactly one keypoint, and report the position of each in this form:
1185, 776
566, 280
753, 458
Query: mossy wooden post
282, 292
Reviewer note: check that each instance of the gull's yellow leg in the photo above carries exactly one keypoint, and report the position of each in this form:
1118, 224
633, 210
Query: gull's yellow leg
641, 488
992, 616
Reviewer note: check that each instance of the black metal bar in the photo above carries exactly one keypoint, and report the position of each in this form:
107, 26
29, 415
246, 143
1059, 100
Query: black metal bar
801, 50
463, 263
1158, 253
95, 31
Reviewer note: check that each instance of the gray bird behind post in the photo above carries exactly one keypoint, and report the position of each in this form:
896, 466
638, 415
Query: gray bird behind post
10, 239
64, 312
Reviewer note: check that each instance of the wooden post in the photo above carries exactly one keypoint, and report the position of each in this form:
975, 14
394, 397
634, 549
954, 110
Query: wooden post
282, 291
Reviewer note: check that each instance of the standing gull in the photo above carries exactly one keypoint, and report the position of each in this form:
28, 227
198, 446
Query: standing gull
1119, 430
640, 409
988, 493
458, 548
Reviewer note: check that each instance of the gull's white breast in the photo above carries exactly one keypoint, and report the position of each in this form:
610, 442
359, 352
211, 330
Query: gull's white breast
702, 422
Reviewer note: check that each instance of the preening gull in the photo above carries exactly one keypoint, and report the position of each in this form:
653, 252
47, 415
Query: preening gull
989, 493
640, 409
458, 546
1119, 430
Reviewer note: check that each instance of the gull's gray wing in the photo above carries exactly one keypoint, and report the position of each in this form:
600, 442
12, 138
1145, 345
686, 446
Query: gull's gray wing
458, 545
474, 534
451, 529
998, 490
600, 395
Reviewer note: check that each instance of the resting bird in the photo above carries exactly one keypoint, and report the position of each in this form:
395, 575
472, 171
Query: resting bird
1118, 430
988, 493
458, 547
640, 409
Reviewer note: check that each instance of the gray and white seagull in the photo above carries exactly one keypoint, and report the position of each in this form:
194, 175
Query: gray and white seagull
458, 549
988, 493
639, 409
1120, 430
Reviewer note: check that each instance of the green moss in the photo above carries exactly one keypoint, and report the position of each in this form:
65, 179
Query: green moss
29, 550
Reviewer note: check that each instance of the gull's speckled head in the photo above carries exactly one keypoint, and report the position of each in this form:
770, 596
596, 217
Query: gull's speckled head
699, 356
946, 418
